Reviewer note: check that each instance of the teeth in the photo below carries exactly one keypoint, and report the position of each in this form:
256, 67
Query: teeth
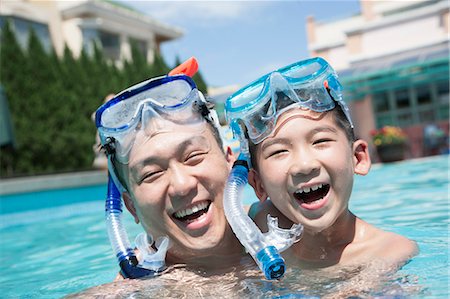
308, 189
191, 210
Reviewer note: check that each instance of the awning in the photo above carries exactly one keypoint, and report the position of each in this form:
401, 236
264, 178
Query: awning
415, 67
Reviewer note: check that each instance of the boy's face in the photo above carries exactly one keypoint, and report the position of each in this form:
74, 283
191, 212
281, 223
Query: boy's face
176, 182
306, 167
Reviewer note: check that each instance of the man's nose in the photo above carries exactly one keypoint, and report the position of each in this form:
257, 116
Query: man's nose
182, 182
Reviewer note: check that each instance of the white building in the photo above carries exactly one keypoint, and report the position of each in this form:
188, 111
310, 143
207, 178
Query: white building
393, 60
114, 27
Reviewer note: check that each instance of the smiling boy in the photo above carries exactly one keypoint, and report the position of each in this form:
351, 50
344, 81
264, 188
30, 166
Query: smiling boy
304, 156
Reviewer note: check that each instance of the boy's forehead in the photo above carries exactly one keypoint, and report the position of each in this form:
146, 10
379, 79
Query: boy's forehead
297, 113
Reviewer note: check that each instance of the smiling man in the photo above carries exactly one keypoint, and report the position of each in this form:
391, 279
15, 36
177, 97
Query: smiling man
167, 157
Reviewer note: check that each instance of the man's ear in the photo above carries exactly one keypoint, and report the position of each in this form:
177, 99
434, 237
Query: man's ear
130, 206
255, 181
229, 155
361, 157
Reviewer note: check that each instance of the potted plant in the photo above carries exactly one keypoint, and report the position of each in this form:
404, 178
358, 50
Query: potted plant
390, 143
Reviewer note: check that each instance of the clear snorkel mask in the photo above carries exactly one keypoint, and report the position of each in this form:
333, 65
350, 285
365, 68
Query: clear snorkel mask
153, 106
310, 84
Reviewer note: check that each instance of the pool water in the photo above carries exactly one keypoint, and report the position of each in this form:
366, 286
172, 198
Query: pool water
55, 243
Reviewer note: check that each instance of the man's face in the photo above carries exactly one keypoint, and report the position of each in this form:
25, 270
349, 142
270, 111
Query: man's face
176, 181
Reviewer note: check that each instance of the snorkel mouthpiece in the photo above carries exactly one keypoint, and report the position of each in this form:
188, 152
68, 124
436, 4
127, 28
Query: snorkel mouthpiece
264, 248
271, 263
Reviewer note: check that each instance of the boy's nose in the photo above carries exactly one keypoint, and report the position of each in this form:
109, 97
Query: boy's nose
303, 164
181, 182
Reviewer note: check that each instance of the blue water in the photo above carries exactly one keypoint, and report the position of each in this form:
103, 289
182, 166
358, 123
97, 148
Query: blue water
55, 243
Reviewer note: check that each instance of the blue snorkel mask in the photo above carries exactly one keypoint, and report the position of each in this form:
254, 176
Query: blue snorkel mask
310, 84
157, 105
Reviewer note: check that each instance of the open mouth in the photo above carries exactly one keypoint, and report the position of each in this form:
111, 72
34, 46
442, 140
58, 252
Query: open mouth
193, 213
312, 193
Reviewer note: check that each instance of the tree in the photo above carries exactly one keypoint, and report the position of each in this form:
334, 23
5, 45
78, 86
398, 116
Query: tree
11, 78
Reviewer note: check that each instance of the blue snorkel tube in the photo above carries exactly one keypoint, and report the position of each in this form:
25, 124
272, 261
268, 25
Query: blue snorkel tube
264, 248
128, 261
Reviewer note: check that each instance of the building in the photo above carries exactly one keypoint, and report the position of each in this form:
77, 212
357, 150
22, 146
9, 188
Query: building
393, 61
113, 26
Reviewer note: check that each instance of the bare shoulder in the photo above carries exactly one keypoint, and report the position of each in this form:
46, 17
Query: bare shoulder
394, 247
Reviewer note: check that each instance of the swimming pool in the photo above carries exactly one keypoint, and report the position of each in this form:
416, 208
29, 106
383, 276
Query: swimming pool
55, 243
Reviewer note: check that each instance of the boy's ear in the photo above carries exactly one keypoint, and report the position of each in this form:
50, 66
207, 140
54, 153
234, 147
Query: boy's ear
130, 206
361, 157
255, 181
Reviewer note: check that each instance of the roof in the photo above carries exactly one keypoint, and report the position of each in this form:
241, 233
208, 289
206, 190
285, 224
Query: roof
122, 14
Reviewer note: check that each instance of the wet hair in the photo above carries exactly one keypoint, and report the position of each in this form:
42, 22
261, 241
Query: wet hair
339, 118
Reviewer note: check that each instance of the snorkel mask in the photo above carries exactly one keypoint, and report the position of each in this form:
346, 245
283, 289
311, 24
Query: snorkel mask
126, 121
312, 84
148, 108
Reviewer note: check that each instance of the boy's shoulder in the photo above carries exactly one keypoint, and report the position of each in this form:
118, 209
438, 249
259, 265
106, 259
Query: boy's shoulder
396, 247
390, 246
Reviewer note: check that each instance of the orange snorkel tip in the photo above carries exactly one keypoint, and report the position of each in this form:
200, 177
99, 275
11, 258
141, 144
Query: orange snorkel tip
188, 68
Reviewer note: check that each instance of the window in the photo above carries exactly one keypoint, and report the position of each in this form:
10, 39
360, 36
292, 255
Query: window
381, 102
22, 28
405, 118
402, 99
427, 115
111, 45
443, 99
140, 45
384, 120
422, 103
423, 95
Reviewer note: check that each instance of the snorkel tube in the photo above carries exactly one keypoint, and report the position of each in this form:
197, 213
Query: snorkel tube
152, 261
119, 241
264, 248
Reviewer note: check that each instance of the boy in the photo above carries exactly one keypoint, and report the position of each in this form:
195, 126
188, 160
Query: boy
304, 154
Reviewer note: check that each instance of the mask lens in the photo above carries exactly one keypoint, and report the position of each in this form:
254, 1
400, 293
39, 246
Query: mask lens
246, 96
126, 110
303, 70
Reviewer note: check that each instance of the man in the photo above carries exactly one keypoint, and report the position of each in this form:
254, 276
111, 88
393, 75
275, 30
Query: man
167, 157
